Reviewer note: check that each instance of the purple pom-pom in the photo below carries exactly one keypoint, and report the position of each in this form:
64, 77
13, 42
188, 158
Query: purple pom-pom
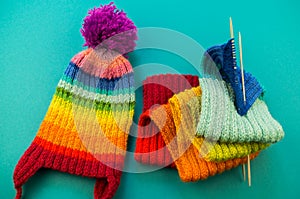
109, 28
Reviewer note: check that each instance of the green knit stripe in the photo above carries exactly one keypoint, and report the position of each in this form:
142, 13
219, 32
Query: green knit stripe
93, 104
217, 105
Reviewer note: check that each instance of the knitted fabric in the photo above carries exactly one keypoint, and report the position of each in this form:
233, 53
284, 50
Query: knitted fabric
224, 58
190, 166
185, 108
219, 120
86, 126
150, 146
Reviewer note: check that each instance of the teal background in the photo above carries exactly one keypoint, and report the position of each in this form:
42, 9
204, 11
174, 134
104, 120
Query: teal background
38, 38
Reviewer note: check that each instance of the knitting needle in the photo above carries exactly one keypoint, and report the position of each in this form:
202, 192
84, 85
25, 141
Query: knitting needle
244, 96
232, 41
232, 37
231, 28
244, 171
249, 171
242, 67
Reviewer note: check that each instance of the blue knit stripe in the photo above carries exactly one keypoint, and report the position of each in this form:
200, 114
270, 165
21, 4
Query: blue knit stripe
74, 75
231, 73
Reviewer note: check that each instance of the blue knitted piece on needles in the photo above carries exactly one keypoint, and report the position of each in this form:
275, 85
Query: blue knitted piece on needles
224, 58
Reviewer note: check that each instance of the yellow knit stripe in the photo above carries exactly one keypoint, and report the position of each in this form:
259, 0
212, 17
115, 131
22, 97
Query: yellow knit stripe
59, 108
79, 127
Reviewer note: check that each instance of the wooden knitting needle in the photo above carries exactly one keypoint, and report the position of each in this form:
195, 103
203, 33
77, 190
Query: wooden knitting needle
232, 41
242, 67
249, 171
244, 171
232, 37
231, 28
244, 96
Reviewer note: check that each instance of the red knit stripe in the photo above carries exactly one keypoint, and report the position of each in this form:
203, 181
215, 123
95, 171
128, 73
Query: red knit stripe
74, 165
59, 152
62, 149
158, 89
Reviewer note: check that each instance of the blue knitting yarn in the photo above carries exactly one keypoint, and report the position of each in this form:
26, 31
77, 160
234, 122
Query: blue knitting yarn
225, 59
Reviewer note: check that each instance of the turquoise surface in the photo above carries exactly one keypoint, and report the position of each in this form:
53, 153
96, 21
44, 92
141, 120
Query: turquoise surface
38, 38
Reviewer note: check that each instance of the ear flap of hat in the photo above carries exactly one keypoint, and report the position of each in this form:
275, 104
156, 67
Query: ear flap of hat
105, 188
27, 166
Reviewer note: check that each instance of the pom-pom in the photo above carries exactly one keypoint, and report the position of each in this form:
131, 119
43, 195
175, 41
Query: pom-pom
109, 28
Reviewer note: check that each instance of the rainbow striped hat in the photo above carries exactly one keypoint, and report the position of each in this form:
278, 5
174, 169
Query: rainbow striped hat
86, 127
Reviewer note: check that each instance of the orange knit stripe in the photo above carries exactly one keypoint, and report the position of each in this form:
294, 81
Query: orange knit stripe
81, 142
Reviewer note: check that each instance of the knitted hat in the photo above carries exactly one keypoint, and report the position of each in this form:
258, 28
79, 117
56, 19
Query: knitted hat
150, 146
185, 108
257, 126
225, 59
190, 166
86, 127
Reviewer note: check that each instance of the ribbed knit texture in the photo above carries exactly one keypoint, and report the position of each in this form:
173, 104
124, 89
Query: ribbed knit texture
150, 146
158, 90
225, 59
185, 108
218, 112
190, 166
86, 126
